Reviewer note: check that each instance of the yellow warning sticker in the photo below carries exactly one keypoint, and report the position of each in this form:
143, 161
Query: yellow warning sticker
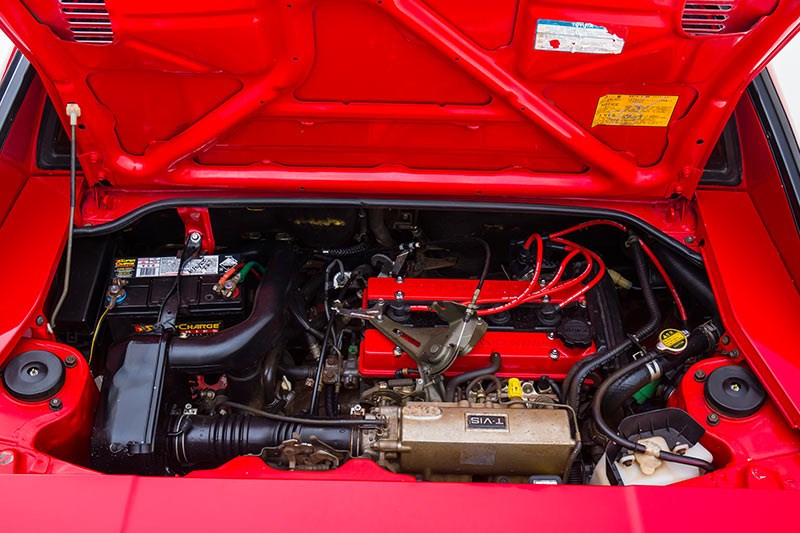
634, 110
672, 340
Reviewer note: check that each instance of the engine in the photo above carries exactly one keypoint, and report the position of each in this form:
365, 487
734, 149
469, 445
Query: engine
505, 353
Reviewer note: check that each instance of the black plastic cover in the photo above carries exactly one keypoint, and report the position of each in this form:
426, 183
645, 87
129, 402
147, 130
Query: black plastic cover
34, 375
87, 285
734, 391
124, 434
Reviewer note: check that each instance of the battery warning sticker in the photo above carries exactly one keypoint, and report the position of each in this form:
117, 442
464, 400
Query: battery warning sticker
634, 110
576, 37
155, 267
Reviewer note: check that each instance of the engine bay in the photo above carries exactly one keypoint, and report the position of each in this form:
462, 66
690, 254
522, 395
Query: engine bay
445, 345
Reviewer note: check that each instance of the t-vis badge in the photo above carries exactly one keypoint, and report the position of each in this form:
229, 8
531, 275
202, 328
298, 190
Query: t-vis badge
484, 421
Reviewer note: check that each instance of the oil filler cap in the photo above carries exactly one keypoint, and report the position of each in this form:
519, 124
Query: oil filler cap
734, 391
34, 375
575, 332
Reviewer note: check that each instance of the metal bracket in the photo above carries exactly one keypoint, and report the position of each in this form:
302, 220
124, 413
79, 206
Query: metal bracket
197, 220
433, 349
311, 455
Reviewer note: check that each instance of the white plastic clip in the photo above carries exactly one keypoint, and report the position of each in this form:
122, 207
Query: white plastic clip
74, 111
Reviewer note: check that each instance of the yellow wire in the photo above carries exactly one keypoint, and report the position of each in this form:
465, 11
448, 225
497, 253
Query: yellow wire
94, 335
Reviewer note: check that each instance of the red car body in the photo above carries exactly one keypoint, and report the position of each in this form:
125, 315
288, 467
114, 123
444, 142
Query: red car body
438, 101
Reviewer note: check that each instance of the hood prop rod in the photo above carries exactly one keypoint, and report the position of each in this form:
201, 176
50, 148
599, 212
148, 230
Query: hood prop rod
73, 112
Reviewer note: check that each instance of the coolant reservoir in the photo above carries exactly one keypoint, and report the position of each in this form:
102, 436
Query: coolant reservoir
641, 469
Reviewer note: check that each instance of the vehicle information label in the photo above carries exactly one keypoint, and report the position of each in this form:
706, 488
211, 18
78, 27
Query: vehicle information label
576, 37
634, 110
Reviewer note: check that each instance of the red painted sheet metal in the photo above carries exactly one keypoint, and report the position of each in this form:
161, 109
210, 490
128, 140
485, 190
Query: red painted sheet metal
62, 434
673, 217
123, 503
398, 97
740, 443
31, 237
757, 297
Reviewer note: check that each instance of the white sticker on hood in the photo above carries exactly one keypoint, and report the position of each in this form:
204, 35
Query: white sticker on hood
576, 37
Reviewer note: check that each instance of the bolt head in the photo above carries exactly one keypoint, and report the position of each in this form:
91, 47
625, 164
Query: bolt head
40, 320
195, 237
700, 376
6, 457
399, 279
554, 354
399, 295
725, 339
545, 298
551, 335
55, 404
688, 240
712, 419
70, 361
398, 351
33, 372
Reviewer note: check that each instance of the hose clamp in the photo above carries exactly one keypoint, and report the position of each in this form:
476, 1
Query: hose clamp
655, 370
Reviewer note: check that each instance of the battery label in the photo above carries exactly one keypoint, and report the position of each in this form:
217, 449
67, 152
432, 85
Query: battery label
156, 267
188, 329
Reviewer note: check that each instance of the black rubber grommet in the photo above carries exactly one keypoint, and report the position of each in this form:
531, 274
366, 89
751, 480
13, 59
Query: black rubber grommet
734, 391
34, 375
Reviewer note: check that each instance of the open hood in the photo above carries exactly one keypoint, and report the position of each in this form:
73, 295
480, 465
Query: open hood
469, 97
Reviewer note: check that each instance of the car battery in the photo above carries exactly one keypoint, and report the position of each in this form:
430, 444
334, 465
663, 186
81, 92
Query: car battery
147, 281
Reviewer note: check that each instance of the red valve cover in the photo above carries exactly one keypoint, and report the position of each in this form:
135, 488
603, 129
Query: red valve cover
524, 354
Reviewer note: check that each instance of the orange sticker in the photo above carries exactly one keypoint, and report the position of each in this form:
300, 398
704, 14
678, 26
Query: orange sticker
634, 110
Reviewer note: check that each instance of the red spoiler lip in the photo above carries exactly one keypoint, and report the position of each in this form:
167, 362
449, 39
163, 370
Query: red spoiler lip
549, 100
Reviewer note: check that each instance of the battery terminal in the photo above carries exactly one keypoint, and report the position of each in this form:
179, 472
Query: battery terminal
116, 292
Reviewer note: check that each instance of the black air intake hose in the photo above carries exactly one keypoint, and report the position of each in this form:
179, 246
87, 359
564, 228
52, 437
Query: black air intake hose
494, 365
213, 440
377, 225
580, 371
240, 347
688, 277
702, 339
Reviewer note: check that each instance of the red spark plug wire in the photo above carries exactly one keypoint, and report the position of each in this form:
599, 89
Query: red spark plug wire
667, 280
530, 293
531, 285
647, 250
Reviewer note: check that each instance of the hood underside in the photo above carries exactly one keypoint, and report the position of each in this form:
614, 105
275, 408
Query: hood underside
509, 97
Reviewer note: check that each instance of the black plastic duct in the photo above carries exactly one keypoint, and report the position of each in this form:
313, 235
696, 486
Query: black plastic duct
240, 347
